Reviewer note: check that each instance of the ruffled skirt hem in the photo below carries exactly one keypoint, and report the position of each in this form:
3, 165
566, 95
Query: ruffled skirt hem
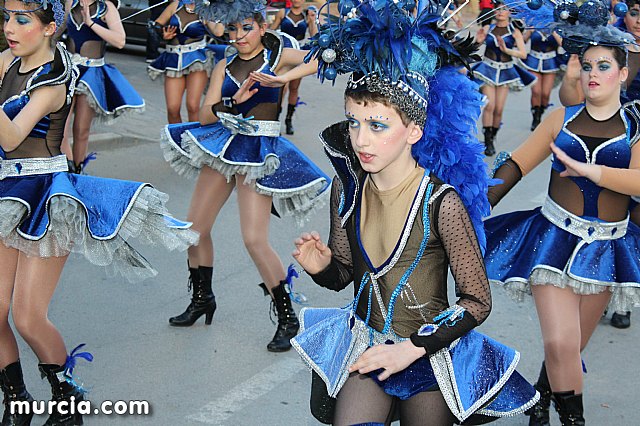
147, 219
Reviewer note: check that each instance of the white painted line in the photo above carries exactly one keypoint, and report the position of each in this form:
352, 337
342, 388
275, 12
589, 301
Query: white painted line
218, 411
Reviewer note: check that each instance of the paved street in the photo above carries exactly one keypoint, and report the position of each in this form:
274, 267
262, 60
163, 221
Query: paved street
223, 374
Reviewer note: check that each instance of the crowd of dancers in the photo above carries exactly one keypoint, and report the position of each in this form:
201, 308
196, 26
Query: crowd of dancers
406, 159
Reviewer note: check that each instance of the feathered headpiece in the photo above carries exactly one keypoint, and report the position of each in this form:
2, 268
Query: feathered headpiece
56, 5
229, 11
579, 24
413, 62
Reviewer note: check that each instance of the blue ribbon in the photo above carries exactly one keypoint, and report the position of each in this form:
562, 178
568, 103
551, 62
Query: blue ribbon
299, 102
295, 297
92, 156
72, 359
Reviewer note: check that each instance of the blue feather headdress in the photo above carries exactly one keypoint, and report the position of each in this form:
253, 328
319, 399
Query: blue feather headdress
580, 24
414, 63
56, 5
229, 11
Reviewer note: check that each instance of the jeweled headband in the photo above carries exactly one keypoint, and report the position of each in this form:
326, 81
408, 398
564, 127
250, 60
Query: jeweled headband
388, 49
57, 5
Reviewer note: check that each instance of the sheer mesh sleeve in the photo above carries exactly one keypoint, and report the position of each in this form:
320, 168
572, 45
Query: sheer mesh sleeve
510, 174
339, 273
458, 237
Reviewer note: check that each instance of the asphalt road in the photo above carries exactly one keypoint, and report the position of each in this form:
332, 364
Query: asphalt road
222, 374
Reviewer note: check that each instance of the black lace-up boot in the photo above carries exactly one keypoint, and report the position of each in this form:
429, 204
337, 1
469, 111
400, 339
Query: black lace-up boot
203, 302
63, 389
489, 148
14, 390
288, 122
536, 112
288, 324
539, 413
569, 407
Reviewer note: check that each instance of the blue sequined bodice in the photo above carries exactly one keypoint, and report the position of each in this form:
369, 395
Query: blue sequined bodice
492, 41
296, 30
615, 152
230, 85
190, 31
542, 43
79, 32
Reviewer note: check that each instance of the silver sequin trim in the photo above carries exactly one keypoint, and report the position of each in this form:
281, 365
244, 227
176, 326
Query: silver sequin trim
32, 166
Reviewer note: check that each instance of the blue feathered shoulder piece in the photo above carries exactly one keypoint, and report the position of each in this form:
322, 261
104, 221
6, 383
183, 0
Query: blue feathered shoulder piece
229, 11
449, 146
580, 24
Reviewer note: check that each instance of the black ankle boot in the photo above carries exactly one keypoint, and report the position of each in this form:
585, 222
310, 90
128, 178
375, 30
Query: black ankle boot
14, 390
621, 320
569, 407
62, 389
203, 302
489, 149
536, 112
288, 324
288, 121
539, 413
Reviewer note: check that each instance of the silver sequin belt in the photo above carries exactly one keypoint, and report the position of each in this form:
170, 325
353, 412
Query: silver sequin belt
246, 126
588, 230
543, 55
33, 166
184, 48
498, 65
77, 59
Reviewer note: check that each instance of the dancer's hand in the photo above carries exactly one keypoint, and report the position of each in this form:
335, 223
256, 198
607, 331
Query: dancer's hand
573, 167
392, 358
312, 14
311, 253
169, 32
245, 92
267, 80
573, 69
86, 13
501, 44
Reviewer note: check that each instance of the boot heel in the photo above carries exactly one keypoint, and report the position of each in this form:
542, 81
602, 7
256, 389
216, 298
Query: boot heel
209, 318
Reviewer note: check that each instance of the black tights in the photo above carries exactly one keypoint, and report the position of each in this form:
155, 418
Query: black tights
361, 400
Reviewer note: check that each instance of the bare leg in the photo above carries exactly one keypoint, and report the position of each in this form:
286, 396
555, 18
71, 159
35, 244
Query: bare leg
547, 85
294, 87
361, 400
81, 128
426, 409
174, 88
487, 113
211, 192
536, 90
501, 99
559, 316
36, 281
255, 214
196, 82
591, 309
8, 265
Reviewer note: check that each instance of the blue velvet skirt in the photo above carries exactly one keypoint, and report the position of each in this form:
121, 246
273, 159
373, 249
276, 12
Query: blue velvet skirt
524, 248
274, 165
475, 374
175, 64
53, 214
542, 65
501, 73
108, 92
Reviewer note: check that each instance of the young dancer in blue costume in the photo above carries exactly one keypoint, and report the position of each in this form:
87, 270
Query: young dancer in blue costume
571, 94
295, 21
542, 61
102, 91
498, 71
186, 62
46, 212
579, 251
237, 146
404, 167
